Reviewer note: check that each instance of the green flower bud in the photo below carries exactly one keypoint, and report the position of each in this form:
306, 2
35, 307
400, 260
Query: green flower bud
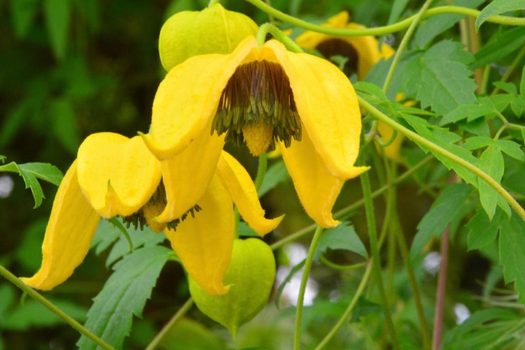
212, 30
250, 277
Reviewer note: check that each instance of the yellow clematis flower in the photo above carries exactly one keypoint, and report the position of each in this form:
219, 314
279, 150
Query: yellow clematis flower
118, 176
361, 52
263, 96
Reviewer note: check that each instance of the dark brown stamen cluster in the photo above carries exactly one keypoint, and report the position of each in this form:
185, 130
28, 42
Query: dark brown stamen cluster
258, 93
158, 199
338, 47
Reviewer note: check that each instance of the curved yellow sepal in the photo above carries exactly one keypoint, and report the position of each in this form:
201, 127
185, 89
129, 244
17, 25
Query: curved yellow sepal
187, 175
204, 243
187, 99
69, 231
238, 182
328, 108
316, 188
117, 175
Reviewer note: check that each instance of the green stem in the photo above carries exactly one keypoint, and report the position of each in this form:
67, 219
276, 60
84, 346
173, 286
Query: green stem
304, 279
441, 151
339, 267
261, 170
178, 315
305, 230
122, 230
350, 308
404, 44
376, 260
277, 34
54, 309
388, 29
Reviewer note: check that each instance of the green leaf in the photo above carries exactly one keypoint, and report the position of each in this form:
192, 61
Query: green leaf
244, 230
63, 124
477, 142
43, 171
500, 46
472, 334
482, 231
23, 13
512, 253
275, 175
435, 25
107, 234
512, 149
397, 9
33, 314
497, 7
483, 107
522, 83
491, 161
443, 211
124, 295
342, 237
439, 77
57, 15
188, 334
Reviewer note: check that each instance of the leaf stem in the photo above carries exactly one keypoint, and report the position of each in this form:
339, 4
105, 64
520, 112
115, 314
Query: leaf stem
511, 69
404, 42
178, 315
376, 260
302, 288
53, 308
349, 309
439, 150
277, 34
392, 28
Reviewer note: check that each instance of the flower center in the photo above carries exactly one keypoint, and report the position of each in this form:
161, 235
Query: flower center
153, 208
257, 107
338, 47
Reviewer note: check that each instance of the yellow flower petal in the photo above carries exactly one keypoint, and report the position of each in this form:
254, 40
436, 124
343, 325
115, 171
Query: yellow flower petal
392, 150
328, 108
187, 99
238, 182
117, 175
69, 231
204, 243
187, 175
316, 187
310, 40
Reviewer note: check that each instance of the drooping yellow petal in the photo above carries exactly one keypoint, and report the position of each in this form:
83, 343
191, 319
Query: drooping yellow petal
204, 243
328, 108
187, 175
117, 175
187, 99
242, 189
69, 231
316, 187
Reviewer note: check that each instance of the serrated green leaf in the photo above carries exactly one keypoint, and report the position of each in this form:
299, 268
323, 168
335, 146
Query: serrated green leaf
275, 175
443, 211
342, 237
484, 107
30, 182
33, 314
57, 16
491, 161
518, 106
476, 142
23, 13
512, 253
512, 149
43, 171
500, 46
497, 7
482, 231
124, 295
108, 234
439, 78
506, 86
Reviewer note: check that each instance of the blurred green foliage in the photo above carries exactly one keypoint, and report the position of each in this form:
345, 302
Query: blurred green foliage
69, 68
